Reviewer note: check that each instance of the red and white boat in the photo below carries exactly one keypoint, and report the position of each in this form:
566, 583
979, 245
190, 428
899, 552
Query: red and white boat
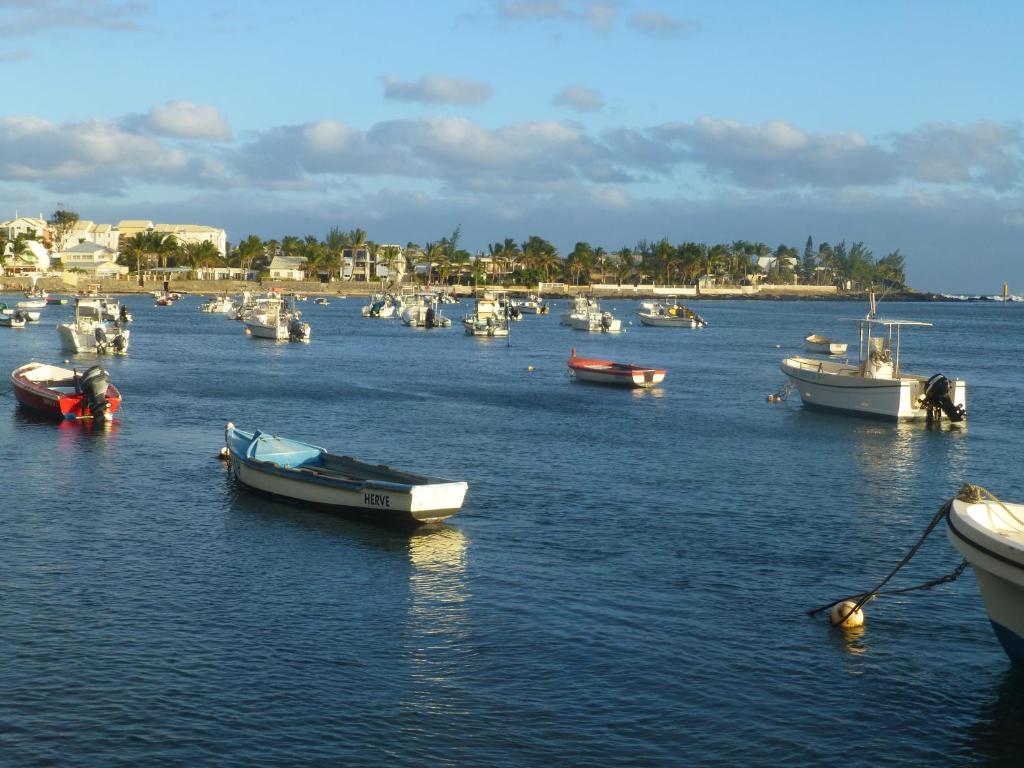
617, 374
64, 393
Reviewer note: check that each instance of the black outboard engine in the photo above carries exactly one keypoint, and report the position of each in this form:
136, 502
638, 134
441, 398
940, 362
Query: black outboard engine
101, 339
94, 383
430, 317
120, 344
937, 395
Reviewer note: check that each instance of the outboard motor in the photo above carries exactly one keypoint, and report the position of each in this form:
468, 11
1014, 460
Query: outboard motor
94, 383
120, 344
430, 317
101, 339
937, 394
298, 330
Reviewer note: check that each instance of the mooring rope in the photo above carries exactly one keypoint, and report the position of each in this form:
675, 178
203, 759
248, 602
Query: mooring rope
973, 494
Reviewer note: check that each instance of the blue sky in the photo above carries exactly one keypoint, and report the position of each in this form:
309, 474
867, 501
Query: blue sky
891, 123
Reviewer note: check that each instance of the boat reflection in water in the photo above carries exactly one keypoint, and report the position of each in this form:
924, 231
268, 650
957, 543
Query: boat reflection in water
437, 621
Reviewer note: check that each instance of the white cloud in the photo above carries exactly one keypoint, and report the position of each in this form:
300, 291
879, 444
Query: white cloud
600, 15
183, 120
659, 24
580, 98
438, 89
21, 18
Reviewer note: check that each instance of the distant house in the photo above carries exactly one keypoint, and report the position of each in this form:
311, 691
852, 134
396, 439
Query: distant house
94, 260
26, 225
86, 231
288, 268
195, 233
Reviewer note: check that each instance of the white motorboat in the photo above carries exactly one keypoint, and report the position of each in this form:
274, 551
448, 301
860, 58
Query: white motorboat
990, 536
422, 311
592, 318
15, 319
532, 305
32, 304
271, 319
823, 345
381, 305
489, 318
581, 307
90, 332
669, 315
877, 386
219, 305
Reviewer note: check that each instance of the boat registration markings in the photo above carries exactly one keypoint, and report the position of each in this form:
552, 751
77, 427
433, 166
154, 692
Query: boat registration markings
377, 500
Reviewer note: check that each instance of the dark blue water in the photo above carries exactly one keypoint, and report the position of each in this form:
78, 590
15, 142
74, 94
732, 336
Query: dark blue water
625, 586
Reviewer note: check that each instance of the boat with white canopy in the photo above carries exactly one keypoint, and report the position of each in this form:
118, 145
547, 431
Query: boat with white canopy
877, 386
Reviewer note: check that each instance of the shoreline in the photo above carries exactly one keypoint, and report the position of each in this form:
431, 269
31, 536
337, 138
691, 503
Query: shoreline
16, 284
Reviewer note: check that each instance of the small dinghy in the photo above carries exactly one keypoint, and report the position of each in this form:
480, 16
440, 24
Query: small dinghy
616, 374
990, 535
823, 345
309, 474
64, 393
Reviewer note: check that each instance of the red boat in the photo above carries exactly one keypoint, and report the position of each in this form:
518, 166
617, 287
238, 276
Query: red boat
64, 393
617, 374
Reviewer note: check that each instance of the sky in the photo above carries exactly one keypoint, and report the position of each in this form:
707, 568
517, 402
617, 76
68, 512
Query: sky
605, 121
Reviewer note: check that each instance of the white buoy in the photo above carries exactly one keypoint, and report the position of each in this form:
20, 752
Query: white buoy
225, 454
529, 368
854, 619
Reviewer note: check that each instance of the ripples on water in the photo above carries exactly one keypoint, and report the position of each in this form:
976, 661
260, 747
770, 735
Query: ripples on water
626, 584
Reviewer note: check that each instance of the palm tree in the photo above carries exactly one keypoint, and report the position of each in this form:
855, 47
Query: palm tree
140, 248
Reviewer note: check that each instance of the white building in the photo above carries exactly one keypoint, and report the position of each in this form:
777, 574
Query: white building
25, 225
94, 260
287, 268
35, 259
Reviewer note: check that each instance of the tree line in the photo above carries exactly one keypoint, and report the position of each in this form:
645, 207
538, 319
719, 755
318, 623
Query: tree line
533, 260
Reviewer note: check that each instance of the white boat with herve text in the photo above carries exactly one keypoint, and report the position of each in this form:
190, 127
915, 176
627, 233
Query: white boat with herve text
308, 474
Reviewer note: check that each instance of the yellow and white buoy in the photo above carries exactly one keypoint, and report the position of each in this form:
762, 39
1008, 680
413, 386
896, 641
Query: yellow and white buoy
845, 609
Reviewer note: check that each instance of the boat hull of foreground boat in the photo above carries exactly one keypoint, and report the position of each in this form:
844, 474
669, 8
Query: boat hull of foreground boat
835, 386
308, 474
992, 542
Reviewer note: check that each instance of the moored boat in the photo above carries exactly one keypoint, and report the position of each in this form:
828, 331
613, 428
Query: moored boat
309, 474
489, 318
877, 386
64, 393
89, 332
616, 374
15, 319
672, 314
990, 535
823, 345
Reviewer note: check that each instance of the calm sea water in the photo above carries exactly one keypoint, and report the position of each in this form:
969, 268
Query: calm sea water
625, 586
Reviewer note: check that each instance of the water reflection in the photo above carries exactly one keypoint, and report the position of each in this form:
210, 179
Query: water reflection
651, 392
997, 738
437, 625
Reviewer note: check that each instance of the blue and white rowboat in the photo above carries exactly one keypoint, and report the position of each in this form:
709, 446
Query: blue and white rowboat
309, 474
990, 536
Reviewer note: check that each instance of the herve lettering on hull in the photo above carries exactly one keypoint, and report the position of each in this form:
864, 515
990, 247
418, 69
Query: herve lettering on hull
376, 500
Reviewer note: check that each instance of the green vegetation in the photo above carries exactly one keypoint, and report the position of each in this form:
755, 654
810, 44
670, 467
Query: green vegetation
534, 260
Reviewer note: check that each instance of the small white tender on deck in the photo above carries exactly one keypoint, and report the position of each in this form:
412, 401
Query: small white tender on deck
307, 473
